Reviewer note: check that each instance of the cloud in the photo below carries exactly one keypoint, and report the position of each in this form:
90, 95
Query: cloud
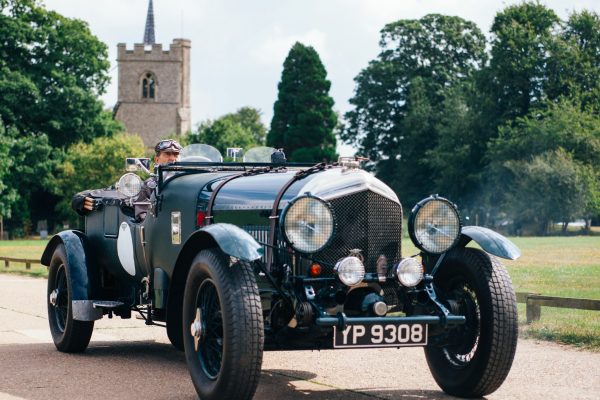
274, 49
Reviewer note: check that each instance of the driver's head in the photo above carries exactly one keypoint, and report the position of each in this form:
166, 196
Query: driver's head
166, 151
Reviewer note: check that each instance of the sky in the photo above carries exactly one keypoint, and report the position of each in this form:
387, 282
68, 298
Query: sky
239, 46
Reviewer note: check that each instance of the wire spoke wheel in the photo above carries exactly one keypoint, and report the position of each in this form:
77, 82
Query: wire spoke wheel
473, 359
464, 339
222, 314
61, 300
210, 351
69, 335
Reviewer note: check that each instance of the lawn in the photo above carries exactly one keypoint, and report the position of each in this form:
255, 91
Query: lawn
554, 266
30, 249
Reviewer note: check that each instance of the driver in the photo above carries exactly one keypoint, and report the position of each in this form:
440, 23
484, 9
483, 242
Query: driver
166, 151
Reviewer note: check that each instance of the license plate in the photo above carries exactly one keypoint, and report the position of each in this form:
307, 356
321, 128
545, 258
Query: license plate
380, 335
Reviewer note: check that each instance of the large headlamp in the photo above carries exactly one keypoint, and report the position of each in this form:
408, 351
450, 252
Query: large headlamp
434, 225
129, 185
308, 224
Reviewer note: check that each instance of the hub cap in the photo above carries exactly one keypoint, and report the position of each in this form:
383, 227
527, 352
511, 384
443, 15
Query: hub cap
196, 328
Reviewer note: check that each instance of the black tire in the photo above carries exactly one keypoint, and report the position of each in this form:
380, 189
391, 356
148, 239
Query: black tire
69, 336
227, 362
478, 355
174, 331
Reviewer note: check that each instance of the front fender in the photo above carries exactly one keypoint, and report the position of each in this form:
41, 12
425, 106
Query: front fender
490, 241
80, 276
234, 241
76, 258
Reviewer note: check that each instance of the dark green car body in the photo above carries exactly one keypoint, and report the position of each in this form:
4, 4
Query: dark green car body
119, 264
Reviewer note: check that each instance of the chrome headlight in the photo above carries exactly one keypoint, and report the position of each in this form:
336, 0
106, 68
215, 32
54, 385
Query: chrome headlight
350, 271
129, 185
434, 225
409, 272
308, 224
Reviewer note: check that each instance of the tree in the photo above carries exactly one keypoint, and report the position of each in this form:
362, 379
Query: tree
550, 187
522, 37
457, 160
558, 135
240, 129
574, 68
52, 70
8, 194
556, 125
93, 165
31, 175
249, 119
399, 95
222, 133
303, 120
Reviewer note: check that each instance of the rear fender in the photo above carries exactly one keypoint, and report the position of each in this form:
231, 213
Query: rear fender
490, 241
80, 276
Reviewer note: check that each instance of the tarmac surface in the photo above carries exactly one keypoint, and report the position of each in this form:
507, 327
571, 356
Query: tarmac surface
129, 360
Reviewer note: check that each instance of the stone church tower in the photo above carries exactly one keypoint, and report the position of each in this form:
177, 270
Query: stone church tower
154, 86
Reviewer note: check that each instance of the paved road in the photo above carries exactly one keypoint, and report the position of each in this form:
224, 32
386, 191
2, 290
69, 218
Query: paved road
127, 360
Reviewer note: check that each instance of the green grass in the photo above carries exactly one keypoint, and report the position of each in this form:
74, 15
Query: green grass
563, 267
30, 249
553, 266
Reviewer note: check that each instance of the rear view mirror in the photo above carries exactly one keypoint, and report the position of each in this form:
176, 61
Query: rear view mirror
137, 164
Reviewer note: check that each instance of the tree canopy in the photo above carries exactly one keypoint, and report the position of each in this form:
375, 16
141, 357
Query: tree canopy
398, 97
240, 129
52, 69
303, 120
437, 113
93, 165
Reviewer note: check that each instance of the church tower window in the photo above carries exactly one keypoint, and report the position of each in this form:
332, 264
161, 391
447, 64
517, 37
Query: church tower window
148, 86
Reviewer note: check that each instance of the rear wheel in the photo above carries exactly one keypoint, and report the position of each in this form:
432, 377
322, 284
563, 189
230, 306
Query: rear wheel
222, 327
477, 356
69, 336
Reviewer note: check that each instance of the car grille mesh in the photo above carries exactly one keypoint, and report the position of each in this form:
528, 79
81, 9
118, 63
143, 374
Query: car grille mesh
365, 221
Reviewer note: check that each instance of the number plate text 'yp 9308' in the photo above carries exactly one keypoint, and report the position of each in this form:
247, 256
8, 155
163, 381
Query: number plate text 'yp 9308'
380, 335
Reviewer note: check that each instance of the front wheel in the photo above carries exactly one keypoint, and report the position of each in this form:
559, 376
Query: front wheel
477, 356
69, 336
222, 327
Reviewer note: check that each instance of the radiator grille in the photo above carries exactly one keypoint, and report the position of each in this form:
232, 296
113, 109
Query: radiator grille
365, 221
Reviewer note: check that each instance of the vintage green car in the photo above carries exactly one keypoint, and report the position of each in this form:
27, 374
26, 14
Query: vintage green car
237, 258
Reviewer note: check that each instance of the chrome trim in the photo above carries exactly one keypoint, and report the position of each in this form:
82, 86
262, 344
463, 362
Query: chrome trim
338, 182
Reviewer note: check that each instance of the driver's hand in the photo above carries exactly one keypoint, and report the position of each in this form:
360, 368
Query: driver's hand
90, 204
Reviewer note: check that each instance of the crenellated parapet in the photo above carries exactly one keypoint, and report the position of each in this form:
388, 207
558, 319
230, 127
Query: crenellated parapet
155, 52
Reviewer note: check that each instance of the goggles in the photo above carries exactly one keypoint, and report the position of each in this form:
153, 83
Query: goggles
165, 145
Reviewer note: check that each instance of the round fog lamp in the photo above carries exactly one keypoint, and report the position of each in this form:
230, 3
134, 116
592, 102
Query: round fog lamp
409, 272
350, 271
129, 185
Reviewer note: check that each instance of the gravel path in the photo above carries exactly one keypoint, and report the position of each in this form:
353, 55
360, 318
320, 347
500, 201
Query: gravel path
128, 360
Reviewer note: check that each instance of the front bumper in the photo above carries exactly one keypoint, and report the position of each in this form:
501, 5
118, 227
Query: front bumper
341, 321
